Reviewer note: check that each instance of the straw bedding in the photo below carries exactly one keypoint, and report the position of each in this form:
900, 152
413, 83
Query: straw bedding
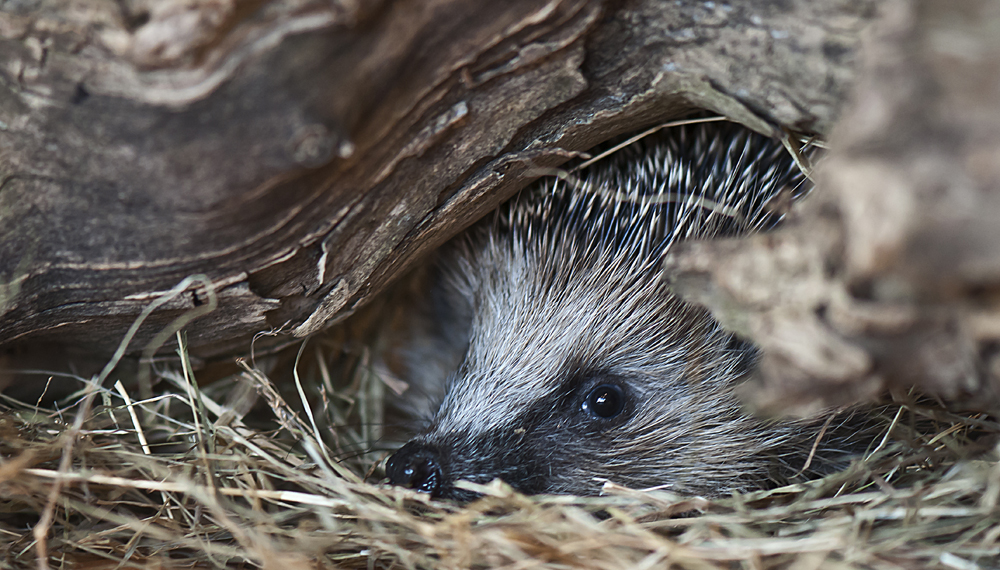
238, 473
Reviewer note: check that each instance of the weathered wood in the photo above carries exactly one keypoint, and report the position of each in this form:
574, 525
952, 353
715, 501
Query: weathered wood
302, 153
890, 275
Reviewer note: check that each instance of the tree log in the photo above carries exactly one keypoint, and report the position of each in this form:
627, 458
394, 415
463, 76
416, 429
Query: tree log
300, 154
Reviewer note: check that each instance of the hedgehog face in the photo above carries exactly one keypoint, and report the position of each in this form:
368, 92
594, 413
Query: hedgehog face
640, 399
580, 366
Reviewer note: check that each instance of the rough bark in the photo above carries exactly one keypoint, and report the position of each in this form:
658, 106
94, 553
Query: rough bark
301, 153
890, 274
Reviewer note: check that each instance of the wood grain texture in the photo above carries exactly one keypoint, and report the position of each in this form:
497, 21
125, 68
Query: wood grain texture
301, 153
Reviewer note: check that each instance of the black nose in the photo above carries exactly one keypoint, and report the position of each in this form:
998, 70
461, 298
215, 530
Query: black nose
416, 467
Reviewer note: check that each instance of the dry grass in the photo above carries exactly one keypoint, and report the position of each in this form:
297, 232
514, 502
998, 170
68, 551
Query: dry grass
199, 477
277, 466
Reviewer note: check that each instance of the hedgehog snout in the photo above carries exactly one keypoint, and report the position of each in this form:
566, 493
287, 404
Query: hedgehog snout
415, 466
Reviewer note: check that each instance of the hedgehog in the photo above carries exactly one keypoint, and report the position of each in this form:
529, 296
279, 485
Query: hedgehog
573, 363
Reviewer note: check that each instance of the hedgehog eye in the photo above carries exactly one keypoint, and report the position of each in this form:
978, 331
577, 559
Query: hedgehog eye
605, 401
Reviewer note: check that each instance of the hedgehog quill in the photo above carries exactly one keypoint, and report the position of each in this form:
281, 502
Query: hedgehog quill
577, 365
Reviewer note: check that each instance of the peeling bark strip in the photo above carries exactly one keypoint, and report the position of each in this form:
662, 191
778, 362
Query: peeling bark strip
890, 275
301, 153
